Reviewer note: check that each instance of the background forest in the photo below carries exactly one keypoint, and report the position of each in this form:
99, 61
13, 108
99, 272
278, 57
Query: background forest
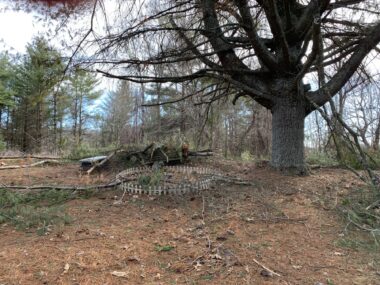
278, 102
44, 109
50, 104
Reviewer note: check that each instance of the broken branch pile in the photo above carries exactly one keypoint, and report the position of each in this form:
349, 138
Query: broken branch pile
147, 156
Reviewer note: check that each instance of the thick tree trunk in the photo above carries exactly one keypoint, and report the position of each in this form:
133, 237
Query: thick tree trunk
376, 139
288, 136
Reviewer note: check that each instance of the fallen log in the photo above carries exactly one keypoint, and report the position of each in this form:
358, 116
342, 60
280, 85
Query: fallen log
39, 163
61, 187
31, 156
201, 153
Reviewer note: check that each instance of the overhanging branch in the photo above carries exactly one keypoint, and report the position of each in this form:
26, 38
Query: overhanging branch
368, 43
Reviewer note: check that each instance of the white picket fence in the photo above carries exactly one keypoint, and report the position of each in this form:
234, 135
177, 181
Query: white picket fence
207, 177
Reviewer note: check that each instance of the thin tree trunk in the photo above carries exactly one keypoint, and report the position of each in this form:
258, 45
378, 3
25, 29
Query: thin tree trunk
226, 137
158, 89
39, 126
55, 120
75, 115
376, 140
25, 144
142, 131
211, 140
319, 139
80, 117
60, 132
10, 127
182, 107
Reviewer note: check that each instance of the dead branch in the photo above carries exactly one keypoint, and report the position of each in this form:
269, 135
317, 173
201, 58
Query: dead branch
201, 153
29, 165
266, 268
60, 187
373, 205
277, 220
31, 156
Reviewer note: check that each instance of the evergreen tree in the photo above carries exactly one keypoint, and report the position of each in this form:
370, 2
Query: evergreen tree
40, 70
81, 89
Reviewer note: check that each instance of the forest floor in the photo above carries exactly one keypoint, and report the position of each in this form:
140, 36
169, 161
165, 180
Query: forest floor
226, 235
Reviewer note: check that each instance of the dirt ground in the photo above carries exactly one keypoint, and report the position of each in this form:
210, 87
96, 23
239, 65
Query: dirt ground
225, 235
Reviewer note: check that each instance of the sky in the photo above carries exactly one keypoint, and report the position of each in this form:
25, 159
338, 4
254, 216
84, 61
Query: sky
17, 29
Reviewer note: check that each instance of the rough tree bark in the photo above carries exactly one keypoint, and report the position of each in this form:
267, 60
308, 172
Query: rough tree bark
288, 118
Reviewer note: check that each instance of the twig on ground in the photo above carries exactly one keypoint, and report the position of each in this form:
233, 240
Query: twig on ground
266, 268
277, 220
373, 205
307, 230
73, 240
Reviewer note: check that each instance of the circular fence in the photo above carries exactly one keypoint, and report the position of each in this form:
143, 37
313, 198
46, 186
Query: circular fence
168, 180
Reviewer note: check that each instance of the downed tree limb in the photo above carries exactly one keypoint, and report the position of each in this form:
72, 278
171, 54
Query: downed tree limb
31, 156
29, 165
60, 187
201, 153
96, 165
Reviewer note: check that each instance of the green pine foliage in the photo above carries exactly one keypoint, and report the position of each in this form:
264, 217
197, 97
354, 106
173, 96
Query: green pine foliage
39, 211
41, 108
6, 74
